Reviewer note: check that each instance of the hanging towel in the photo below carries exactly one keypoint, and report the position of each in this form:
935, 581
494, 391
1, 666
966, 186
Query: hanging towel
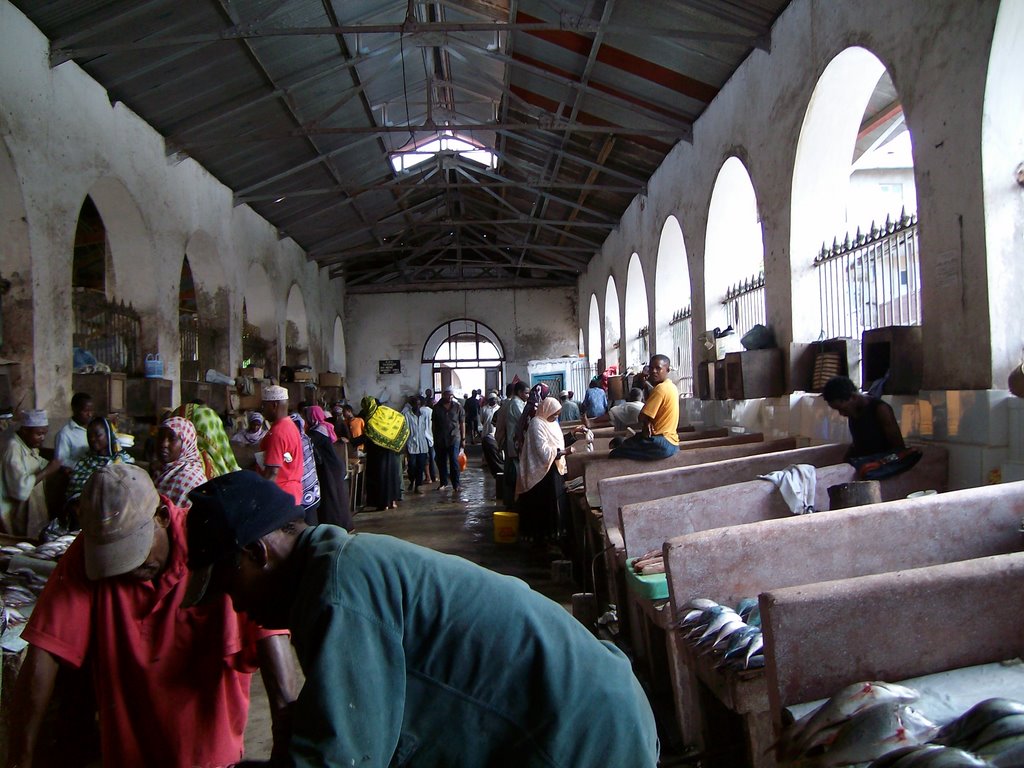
797, 484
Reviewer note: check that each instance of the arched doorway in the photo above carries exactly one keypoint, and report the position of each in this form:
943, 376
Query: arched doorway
463, 354
296, 350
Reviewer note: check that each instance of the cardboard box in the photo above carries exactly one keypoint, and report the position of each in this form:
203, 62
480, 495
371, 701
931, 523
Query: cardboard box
304, 376
252, 373
331, 379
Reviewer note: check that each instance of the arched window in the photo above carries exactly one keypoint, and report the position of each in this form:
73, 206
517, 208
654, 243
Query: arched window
672, 305
734, 253
188, 326
612, 329
296, 348
854, 231
637, 331
104, 331
464, 354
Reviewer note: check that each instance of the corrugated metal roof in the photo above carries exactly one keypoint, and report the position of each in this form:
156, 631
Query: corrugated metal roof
296, 105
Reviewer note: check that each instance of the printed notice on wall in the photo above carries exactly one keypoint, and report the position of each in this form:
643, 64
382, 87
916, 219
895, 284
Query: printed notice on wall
947, 269
389, 366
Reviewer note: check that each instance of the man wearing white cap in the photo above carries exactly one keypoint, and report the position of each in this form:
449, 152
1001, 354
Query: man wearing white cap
22, 473
282, 447
570, 410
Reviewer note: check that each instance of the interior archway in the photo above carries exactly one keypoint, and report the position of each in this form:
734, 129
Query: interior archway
595, 347
733, 250
637, 322
296, 349
17, 327
1002, 149
853, 169
338, 347
212, 301
612, 328
672, 304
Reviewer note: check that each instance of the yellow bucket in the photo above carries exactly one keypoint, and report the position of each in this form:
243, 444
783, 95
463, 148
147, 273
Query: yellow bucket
506, 527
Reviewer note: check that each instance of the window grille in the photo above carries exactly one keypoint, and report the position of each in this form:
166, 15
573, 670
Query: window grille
109, 330
744, 304
682, 350
254, 347
871, 281
640, 348
188, 333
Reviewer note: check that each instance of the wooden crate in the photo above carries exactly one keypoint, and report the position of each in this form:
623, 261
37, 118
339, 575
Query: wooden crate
754, 373
802, 356
148, 398
108, 390
196, 390
896, 349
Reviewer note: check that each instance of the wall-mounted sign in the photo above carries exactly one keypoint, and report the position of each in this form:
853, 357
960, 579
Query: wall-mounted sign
389, 366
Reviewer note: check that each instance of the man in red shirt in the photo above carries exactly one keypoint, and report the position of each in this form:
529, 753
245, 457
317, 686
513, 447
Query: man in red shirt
171, 684
282, 447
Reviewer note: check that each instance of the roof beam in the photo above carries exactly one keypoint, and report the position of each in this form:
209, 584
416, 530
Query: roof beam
424, 34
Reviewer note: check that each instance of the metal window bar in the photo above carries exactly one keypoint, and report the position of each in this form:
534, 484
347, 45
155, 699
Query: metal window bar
682, 348
871, 281
744, 304
640, 348
188, 333
254, 347
109, 330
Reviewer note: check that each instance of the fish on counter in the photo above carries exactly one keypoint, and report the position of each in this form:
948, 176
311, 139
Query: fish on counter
929, 756
801, 735
868, 735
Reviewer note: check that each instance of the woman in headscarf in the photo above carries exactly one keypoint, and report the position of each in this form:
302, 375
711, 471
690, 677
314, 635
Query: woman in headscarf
103, 449
180, 466
385, 434
212, 441
537, 394
310, 480
330, 470
253, 432
540, 489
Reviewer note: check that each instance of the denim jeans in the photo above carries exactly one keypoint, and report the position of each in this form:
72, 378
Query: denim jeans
448, 463
417, 465
644, 448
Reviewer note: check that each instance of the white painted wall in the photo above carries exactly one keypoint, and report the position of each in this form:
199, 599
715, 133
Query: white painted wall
62, 140
532, 324
937, 54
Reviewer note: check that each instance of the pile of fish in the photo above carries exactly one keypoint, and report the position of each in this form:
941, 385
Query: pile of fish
872, 724
731, 635
652, 562
19, 588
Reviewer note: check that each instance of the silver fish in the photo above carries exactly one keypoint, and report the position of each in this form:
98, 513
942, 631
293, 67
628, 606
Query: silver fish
1011, 725
711, 636
797, 736
739, 640
944, 757
745, 606
715, 624
972, 722
867, 735
1011, 757
725, 633
891, 759
700, 604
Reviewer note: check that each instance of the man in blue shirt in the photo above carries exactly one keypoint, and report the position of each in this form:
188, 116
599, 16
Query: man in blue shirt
595, 402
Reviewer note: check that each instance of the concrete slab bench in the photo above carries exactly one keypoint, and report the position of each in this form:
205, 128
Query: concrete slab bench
728, 564
890, 626
646, 525
576, 462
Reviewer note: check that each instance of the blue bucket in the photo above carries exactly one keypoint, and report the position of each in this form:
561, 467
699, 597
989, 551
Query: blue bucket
154, 367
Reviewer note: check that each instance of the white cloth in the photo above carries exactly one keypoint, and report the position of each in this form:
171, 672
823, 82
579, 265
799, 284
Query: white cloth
71, 444
487, 414
797, 484
541, 447
19, 466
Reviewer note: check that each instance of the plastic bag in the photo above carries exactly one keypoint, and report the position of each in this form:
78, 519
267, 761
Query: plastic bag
463, 461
